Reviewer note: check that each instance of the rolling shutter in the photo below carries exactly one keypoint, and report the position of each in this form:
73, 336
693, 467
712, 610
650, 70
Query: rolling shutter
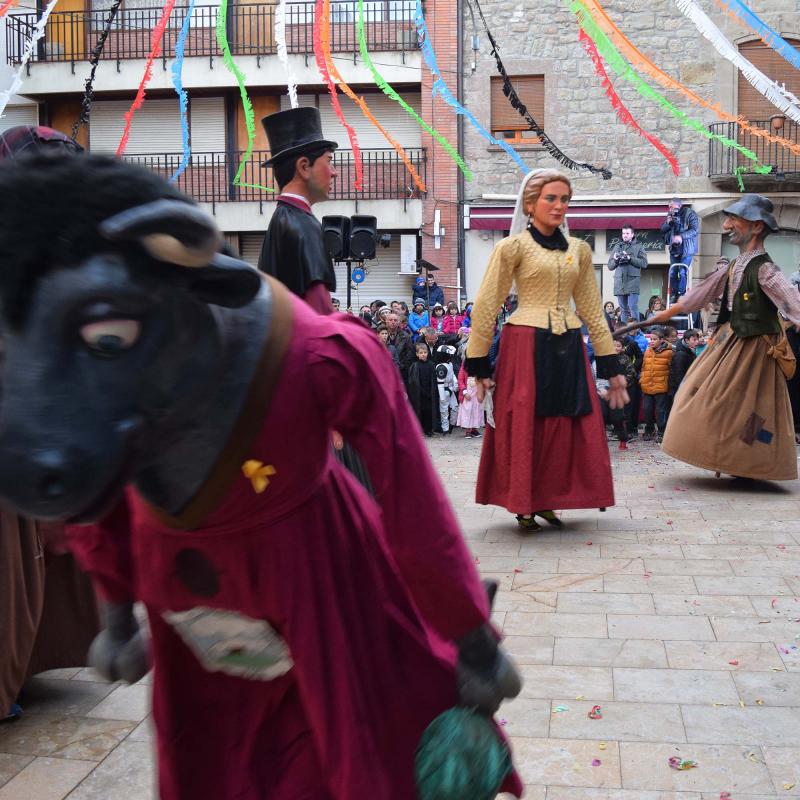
530, 89
397, 122
250, 247
156, 127
207, 124
752, 105
19, 115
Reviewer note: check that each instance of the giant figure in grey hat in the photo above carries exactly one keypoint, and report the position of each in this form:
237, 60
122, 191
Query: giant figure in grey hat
732, 413
294, 249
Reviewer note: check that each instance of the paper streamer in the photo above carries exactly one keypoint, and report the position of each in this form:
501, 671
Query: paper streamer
155, 49
36, 35
626, 72
640, 61
766, 87
393, 95
94, 60
519, 106
283, 55
622, 111
440, 88
183, 97
5, 7
247, 107
322, 54
365, 110
770, 37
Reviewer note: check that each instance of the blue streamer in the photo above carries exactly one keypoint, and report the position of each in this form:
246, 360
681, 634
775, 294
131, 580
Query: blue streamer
183, 97
771, 37
440, 88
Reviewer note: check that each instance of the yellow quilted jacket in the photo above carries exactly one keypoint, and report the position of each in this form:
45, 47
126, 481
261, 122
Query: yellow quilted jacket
548, 281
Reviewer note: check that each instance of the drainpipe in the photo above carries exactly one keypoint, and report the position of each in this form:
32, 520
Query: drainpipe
461, 248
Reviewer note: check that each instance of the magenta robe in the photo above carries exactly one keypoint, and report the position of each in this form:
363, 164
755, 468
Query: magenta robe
366, 593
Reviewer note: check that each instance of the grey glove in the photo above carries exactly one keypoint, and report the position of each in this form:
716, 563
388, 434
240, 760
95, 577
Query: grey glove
486, 675
120, 651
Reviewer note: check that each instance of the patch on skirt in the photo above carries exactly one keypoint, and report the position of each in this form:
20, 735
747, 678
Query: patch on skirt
754, 431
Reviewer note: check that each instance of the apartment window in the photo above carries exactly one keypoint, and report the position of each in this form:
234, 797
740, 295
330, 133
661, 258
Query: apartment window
507, 123
751, 104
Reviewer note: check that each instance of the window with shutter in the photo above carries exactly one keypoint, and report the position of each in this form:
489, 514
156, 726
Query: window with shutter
752, 105
507, 123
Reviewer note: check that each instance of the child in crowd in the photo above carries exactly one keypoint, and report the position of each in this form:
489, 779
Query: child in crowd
417, 319
654, 383
383, 335
423, 390
671, 335
470, 409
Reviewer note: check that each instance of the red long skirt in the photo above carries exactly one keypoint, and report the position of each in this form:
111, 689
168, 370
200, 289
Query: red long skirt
531, 463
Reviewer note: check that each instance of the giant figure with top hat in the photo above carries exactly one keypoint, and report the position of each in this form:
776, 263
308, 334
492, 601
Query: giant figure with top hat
294, 249
306, 643
732, 412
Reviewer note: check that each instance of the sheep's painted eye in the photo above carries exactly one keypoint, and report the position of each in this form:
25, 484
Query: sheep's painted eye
111, 337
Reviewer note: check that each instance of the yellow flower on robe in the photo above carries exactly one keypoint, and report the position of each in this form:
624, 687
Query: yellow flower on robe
258, 473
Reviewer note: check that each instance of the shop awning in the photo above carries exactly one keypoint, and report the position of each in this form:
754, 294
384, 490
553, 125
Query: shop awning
580, 218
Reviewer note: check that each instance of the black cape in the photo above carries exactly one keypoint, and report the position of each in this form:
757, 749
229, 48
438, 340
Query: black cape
423, 393
294, 250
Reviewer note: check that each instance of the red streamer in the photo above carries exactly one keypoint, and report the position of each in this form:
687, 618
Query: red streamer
321, 54
155, 49
623, 113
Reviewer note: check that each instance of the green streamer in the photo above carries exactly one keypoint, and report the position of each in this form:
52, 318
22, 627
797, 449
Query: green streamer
392, 94
738, 172
625, 71
247, 106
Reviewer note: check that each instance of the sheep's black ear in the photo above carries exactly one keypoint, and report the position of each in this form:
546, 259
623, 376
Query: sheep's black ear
225, 282
491, 587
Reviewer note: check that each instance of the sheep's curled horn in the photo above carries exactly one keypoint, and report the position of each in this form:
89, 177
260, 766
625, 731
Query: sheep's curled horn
170, 230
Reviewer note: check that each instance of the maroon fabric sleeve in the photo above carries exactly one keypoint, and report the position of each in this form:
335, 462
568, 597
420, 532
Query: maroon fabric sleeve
359, 392
103, 550
319, 298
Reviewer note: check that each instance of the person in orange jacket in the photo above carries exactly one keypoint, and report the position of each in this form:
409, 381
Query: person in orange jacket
654, 383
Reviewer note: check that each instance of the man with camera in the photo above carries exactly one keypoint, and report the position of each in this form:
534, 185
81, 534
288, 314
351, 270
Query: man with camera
681, 230
627, 260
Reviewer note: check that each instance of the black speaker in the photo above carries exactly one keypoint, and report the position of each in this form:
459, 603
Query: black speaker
336, 233
363, 237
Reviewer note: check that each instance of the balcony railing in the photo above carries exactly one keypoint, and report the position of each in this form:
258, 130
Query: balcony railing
209, 176
71, 35
724, 161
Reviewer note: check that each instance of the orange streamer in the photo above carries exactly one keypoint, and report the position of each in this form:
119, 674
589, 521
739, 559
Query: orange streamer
325, 35
4, 8
636, 57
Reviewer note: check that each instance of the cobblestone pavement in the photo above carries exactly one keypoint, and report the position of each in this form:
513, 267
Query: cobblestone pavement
676, 612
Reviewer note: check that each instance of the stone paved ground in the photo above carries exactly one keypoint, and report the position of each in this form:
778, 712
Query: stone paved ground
676, 612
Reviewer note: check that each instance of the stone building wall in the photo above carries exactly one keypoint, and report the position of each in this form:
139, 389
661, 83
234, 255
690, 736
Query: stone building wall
542, 38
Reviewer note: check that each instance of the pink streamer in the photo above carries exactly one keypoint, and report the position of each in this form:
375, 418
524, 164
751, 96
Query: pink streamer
623, 113
155, 49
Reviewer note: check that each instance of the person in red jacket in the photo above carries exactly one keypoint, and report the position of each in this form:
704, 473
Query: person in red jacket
452, 321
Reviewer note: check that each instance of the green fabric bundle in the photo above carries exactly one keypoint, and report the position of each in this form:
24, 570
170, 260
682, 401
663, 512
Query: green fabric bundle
461, 756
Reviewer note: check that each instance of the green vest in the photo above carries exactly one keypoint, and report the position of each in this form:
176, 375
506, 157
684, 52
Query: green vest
753, 313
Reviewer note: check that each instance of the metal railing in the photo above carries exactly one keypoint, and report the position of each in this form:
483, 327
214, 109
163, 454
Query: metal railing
209, 176
723, 161
71, 35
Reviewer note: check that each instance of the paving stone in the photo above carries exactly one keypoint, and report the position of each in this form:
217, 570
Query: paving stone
783, 764
636, 722
10, 765
49, 696
677, 685
705, 606
604, 602
125, 702
602, 566
772, 586
643, 626
645, 766
127, 774
521, 623
564, 762
556, 681
610, 652
754, 629
719, 655
580, 582
768, 688
753, 725
46, 779
653, 584
688, 566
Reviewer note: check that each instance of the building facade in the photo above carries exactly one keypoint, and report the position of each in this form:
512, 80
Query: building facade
555, 77
54, 82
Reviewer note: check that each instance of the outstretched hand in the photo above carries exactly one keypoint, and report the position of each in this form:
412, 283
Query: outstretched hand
617, 394
484, 385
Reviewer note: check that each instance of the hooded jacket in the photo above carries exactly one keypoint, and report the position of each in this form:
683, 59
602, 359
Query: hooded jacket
682, 359
655, 369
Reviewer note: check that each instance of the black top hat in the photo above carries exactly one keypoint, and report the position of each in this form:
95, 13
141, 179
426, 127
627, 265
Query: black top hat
294, 131
754, 207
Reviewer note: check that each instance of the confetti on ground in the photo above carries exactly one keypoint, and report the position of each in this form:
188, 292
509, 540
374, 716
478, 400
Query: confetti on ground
734, 663
719, 705
517, 569
759, 702
755, 759
579, 697
596, 762
596, 713
725, 796
788, 786
589, 543
682, 763
603, 745
559, 709
669, 522
741, 704
774, 602
504, 722
477, 560
781, 546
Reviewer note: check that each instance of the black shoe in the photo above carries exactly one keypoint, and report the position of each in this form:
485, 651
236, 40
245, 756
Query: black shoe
632, 436
528, 523
550, 518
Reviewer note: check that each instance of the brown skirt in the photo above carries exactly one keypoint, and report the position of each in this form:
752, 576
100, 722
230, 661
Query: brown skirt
732, 413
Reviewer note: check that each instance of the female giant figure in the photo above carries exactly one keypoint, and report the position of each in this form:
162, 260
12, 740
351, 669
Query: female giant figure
548, 449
